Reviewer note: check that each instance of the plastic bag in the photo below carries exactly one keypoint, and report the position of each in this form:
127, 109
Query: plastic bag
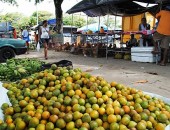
38, 47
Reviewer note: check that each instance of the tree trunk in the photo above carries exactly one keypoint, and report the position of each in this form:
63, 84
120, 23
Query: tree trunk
59, 16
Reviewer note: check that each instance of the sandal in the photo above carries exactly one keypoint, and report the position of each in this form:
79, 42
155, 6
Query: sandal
46, 58
162, 64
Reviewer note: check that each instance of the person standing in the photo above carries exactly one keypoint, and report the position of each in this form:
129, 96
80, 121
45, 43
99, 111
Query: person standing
14, 33
143, 26
163, 34
44, 35
25, 36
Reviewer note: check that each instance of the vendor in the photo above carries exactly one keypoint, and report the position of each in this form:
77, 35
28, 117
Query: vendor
132, 42
145, 40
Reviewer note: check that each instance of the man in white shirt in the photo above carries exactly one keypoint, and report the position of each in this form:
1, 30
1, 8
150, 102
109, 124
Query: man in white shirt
25, 36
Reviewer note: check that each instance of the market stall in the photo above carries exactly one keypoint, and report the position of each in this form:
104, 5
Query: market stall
129, 10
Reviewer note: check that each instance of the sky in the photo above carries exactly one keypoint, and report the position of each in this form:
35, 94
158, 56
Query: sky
27, 8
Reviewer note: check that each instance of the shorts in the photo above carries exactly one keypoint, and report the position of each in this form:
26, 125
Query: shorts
45, 40
165, 40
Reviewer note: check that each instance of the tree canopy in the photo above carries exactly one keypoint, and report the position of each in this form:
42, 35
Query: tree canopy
58, 11
19, 21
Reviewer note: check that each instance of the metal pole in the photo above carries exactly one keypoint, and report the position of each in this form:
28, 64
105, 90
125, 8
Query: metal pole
115, 22
107, 36
107, 22
87, 23
71, 27
99, 24
37, 12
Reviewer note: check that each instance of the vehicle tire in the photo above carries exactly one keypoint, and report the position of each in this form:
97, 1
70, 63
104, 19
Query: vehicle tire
6, 53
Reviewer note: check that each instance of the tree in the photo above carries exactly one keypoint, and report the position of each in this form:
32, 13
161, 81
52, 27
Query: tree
111, 23
42, 15
18, 20
92, 20
58, 12
78, 21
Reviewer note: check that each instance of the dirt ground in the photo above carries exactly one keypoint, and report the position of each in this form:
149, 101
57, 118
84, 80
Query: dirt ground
144, 76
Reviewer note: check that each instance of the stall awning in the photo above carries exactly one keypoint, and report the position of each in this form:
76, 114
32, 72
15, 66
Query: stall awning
94, 8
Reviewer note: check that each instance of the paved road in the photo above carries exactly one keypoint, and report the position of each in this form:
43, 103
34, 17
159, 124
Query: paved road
126, 72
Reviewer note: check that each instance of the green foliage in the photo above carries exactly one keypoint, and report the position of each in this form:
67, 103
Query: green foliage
19, 21
92, 20
42, 15
78, 21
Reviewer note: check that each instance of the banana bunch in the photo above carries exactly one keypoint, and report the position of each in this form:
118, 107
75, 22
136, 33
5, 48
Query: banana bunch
16, 69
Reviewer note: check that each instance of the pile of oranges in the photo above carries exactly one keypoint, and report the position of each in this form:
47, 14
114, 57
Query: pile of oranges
67, 99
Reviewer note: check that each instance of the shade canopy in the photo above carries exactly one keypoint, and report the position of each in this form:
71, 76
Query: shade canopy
94, 8
93, 27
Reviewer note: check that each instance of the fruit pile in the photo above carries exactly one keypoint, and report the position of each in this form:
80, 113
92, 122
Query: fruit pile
62, 99
16, 69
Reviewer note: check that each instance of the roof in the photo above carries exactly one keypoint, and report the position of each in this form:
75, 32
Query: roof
95, 8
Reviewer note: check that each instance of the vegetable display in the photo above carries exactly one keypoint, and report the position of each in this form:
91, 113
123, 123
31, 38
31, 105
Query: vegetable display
15, 69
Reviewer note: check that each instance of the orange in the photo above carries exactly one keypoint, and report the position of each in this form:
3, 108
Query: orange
109, 110
99, 122
20, 125
86, 126
162, 118
112, 118
9, 121
31, 113
98, 94
114, 126
160, 126
38, 115
94, 114
24, 81
45, 115
141, 126
109, 93
53, 118
60, 123
40, 127
78, 123
117, 110
113, 84
33, 122
49, 126
126, 109
106, 125
95, 106
101, 111
125, 120
86, 118
43, 122
78, 92
70, 125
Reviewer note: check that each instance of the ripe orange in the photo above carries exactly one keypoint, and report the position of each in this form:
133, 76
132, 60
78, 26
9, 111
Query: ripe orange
112, 118
126, 109
101, 111
113, 84
45, 115
94, 114
109, 110
98, 94
53, 118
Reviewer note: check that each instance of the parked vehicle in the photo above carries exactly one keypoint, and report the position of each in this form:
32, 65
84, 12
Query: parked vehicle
10, 47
